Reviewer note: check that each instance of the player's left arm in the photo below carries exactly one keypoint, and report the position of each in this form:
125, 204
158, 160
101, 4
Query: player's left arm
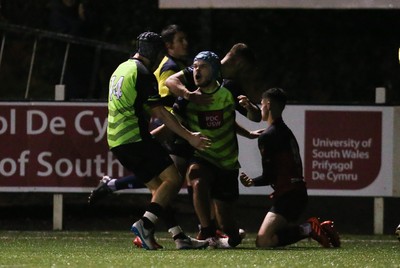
196, 139
253, 111
248, 181
246, 133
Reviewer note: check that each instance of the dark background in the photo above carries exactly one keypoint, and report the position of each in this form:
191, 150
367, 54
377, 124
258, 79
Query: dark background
319, 56
34, 211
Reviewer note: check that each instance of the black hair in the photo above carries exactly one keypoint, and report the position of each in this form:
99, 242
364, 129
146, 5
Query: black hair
276, 94
169, 32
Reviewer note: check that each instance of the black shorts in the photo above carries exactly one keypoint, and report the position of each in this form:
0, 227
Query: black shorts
224, 184
291, 205
146, 159
181, 148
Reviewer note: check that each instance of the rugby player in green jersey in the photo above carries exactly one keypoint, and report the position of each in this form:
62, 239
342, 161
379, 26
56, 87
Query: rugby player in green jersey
213, 172
133, 92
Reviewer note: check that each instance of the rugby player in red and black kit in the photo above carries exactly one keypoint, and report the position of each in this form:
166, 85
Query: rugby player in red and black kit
283, 171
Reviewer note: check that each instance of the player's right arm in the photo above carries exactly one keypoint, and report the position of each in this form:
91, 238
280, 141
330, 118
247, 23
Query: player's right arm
177, 85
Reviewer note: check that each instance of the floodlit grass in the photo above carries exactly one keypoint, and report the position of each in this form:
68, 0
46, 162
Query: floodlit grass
115, 249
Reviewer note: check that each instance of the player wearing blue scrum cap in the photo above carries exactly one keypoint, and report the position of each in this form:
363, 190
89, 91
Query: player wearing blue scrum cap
212, 59
213, 173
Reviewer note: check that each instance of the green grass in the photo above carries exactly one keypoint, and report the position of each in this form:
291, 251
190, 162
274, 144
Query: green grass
115, 249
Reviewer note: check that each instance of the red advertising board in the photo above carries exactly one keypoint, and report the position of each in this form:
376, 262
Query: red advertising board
54, 145
342, 149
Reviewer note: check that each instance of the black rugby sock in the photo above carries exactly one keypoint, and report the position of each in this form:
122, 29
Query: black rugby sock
289, 235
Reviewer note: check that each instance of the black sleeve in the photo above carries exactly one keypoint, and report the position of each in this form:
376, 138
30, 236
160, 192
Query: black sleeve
189, 81
179, 107
260, 181
147, 86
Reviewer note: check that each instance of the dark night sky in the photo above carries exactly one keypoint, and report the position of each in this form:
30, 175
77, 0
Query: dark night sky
318, 56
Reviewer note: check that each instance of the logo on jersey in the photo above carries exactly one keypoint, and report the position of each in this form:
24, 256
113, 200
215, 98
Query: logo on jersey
211, 119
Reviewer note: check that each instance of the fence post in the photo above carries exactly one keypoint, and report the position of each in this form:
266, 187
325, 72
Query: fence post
58, 198
60, 88
57, 211
379, 202
378, 215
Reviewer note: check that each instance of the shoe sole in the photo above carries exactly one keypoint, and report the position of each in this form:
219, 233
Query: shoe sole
186, 248
205, 245
138, 243
137, 233
329, 229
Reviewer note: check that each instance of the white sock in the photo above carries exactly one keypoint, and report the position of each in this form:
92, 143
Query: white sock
175, 230
153, 218
111, 185
305, 228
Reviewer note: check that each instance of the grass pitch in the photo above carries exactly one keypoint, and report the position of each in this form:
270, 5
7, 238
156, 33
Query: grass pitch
115, 249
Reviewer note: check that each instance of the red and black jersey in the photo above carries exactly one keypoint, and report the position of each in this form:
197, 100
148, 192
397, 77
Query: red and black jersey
281, 161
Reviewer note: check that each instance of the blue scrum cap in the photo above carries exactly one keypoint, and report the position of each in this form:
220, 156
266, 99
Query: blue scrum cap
212, 59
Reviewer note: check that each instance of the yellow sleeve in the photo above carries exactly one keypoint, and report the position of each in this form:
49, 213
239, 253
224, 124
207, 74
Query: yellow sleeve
162, 88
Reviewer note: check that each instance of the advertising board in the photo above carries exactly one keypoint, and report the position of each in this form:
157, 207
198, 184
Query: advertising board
62, 147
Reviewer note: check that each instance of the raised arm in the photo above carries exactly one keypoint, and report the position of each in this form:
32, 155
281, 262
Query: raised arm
253, 111
176, 84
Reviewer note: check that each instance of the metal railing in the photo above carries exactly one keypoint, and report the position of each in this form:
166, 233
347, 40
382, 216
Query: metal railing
39, 34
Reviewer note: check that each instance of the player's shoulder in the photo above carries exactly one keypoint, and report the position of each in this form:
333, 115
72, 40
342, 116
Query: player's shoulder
227, 92
170, 64
141, 68
271, 131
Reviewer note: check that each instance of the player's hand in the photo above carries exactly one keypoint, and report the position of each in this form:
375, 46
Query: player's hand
199, 141
244, 101
255, 133
246, 180
199, 98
